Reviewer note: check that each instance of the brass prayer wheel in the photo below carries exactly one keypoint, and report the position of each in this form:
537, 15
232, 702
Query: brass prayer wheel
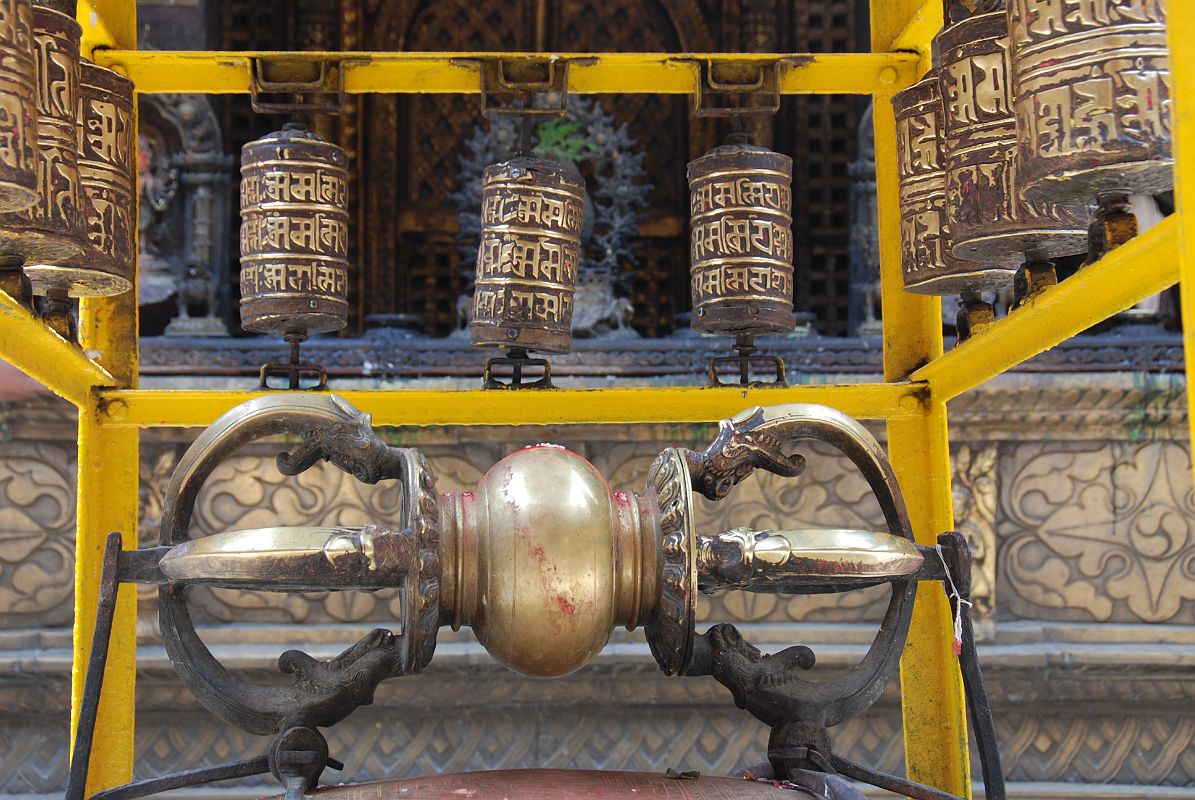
18, 107
532, 213
926, 260
51, 231
741, 247
107, 187
1092, 98
988, 219
294, 233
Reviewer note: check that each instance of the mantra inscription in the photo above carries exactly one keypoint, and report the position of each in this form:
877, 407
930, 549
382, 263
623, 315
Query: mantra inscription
989, 220
1093, 97
107, 173
925, 253
741, 246
50, 230
532, 213
294, 233
18, 107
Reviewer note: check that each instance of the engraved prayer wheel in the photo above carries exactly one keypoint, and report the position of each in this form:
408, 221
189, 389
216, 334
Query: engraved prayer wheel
741, 248
532, 212
926, 260
107, 189
18, 107
50, 231
988, 219
1092, 98
294, 233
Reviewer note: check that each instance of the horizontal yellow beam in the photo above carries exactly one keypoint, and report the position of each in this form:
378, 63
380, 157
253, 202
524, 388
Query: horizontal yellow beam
41, 354
1119, 280
196, 408
226, 72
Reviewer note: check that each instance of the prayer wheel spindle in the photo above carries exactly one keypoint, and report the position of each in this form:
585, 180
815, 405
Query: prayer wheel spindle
741, 250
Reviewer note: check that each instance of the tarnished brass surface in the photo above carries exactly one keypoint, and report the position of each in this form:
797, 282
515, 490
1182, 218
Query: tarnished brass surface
546, 560
294, 233
107, 190
532, 212
18, 107
1093, 103
561, 784
741, 248
989, 221
792, 561
50, 231
926, 260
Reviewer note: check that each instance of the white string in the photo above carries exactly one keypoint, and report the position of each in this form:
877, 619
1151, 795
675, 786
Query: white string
954, 594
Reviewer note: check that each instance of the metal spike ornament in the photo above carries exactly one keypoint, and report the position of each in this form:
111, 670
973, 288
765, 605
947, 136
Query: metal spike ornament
532, 214
989, 221
1093, 106
294, 242
741, 249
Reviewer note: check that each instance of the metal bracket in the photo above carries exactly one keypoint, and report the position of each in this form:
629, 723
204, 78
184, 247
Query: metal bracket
718, 79
294, 370
518, 360
743, 362
545, 77
313, 84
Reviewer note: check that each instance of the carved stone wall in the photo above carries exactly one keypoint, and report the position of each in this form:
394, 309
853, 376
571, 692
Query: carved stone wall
1078, 501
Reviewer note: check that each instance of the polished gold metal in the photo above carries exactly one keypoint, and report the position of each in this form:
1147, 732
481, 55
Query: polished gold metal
1093, 106
741, 247
50, 231
294, 234
988, 220
532, 212
792, 561
18, 107
926, 260
107, 190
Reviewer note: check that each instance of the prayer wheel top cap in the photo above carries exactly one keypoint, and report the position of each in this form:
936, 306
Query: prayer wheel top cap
68, 7
298, 133
525, 165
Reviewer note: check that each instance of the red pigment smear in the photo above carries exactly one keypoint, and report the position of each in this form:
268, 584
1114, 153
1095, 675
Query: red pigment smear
566, 608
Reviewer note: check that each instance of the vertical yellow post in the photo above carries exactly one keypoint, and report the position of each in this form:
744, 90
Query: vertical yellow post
931, 687
1181, 27
107, 488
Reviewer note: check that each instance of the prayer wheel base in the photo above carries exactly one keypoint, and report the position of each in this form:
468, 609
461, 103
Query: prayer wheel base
77, 281
979, 278
38, 246
14, 197
1012, 248
1083, 184
306, 315
735, 318
489, 333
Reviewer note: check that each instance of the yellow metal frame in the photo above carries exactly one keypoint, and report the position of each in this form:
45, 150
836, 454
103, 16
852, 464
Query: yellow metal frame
102, 380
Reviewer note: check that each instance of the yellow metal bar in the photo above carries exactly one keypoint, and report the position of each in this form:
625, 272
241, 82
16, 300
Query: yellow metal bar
40, 353
170, 408
108, 477
919, 32
157, 72
1181, 27
1119, 280
934, 712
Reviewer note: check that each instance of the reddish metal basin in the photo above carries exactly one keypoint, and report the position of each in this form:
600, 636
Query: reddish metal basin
560, 784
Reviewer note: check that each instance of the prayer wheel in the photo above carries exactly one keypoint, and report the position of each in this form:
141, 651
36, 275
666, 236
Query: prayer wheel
926, 260
50, 231
107, 189
18, 107
532, 213
741, 246
988, 219
294, 234
1092, 105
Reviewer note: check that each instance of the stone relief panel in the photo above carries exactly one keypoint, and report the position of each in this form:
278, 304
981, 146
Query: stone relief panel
37, 534
1098, 531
